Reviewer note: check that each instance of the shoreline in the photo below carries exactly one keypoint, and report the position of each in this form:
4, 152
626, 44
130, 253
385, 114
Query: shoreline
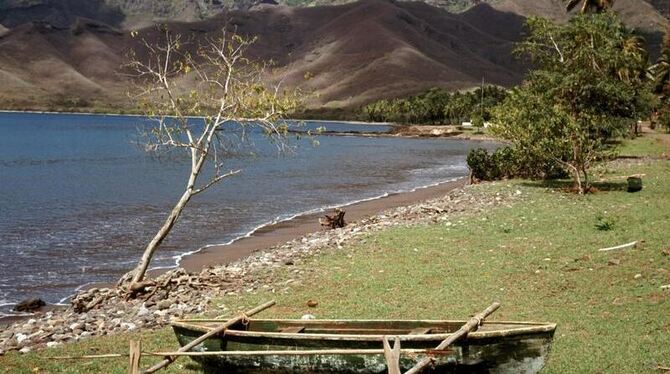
271, 235
274, 234
144, 115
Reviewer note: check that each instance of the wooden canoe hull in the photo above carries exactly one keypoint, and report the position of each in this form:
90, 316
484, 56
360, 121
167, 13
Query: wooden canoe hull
513, 348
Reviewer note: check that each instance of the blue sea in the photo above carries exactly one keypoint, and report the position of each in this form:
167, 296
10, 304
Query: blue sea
79, 199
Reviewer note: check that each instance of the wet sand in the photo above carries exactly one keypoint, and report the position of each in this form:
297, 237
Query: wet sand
298, 227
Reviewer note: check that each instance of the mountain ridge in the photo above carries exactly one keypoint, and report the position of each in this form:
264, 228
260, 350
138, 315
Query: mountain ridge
354, 53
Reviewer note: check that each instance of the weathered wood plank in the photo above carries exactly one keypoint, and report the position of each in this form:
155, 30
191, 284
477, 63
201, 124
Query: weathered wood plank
292, 329
472, 324
169, 359
135, 354
392, 356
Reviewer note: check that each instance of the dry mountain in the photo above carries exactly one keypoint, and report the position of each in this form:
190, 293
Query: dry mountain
355, 52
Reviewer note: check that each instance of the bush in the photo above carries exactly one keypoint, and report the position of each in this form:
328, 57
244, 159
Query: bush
508, 162
480, 164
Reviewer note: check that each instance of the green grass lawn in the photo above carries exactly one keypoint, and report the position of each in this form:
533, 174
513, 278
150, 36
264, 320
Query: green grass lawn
538, 257
648, 145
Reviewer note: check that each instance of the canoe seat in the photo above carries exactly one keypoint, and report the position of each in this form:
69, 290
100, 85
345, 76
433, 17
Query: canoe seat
420, 331
293, 329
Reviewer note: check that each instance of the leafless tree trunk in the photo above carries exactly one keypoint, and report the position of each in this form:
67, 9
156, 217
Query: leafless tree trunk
228, 89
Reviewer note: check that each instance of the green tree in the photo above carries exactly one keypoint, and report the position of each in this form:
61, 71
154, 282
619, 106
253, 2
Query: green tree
576, 100
659, 76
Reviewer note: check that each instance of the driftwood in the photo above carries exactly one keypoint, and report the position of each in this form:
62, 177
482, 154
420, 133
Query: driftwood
471, 325
335, 221
169, 359
622, 246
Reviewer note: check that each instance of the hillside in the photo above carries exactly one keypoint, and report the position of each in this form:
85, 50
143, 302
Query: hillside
130, 14
355, 52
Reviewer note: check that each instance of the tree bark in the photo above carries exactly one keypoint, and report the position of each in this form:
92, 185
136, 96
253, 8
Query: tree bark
141, 269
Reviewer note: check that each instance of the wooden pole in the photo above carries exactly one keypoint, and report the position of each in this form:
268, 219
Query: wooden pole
392, 356
87, 357
169, 359
135, 354
471, 325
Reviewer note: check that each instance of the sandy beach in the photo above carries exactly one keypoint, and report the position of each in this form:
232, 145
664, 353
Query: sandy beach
300, 226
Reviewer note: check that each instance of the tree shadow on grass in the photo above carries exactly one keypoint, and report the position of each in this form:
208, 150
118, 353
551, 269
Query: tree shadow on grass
568, 186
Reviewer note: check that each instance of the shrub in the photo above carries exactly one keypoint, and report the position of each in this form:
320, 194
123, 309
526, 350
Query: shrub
508, 162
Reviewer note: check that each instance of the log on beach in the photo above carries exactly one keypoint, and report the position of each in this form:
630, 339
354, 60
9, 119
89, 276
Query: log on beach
335, 221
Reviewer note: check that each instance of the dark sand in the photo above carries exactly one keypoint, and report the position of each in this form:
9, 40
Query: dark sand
298, 227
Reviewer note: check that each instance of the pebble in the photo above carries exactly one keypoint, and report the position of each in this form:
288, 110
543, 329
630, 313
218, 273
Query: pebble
637, 276
104, 311
164, 304
21, 337
25, 350
143, 311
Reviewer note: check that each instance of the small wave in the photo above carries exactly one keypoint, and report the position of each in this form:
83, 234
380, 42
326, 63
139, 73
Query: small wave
178, 258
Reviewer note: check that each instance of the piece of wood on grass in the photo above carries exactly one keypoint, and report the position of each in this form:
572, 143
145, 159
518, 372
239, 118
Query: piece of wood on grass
135, 354
392, 355
471, 325
622, 246
220, 329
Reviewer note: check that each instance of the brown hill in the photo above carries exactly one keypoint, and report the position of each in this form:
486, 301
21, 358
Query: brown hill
354, 52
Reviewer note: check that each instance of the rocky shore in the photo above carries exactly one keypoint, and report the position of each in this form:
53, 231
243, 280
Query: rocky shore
103, 311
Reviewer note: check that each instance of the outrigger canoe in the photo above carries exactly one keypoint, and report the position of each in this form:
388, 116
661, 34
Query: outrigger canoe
355, 346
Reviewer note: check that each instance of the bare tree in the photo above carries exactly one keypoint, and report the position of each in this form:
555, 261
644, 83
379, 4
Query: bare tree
203, 98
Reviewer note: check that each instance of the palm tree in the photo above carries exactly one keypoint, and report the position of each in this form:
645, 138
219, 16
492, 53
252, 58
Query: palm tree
659, 73
589, 5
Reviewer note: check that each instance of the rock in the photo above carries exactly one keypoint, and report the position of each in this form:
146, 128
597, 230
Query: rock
614, 261
142, 311
53, 344
312, 303
307, 316
164, 304
24, 350
20, 338
637, 276
29, 305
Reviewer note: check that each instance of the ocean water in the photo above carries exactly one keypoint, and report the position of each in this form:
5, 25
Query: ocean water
79, 199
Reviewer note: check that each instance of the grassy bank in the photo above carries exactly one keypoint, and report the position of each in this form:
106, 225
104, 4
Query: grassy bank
538, 257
